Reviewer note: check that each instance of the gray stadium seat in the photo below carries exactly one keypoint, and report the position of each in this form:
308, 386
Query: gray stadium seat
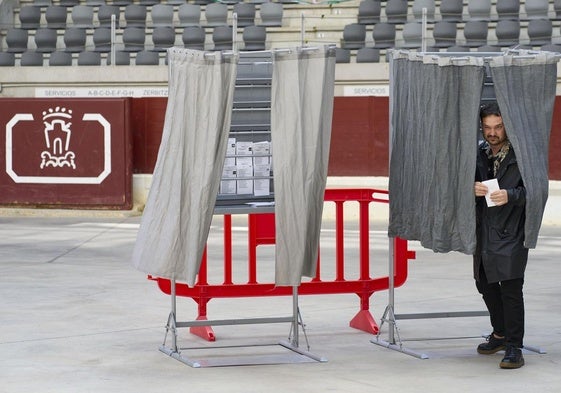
479, 10
29, 17
31, 59
95, 3
89, 58
552, 48
540, 32
216, 14
122, 3
254, 37
105, 12
507, 32
42, 3
444, 34
271, 14
134, 38
457, 48
121, 58
222, 37
417, 9
7, 59
412, 35
536, 9
60, 58
557, 8
147, 58
489, 48
451, 10
368, 55
342, 55
508, 9
475, 33
189, 14
56, 16
354, 36
16, 40
369, 12
102, 39
75, 39
46, 40
162, 15
148, 2
163, 37
176, 2
396, 11
82, 16
135, 15
69, 3
383, 35
245, 13
193, 37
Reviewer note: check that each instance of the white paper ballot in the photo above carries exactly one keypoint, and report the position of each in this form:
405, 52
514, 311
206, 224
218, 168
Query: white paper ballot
228, 186
261, 153
245, 186
261, 185
492, 186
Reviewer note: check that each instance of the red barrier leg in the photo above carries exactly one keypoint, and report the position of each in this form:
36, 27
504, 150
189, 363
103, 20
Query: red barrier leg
205, 332
363, 320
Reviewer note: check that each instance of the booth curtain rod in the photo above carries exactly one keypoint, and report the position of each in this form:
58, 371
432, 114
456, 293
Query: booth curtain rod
269, 51
486, 56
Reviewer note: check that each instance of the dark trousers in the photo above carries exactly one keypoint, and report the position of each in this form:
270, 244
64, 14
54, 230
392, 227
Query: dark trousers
505, 303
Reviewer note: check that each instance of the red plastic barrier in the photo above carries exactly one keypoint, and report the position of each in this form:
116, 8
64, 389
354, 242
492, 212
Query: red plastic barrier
261, 230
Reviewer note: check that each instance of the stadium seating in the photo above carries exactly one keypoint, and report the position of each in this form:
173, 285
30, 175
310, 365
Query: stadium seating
193, 37
246, 13
254, 37
30, 58
189, 14
30, 17
60, 58
46, 26
46, 40
271, 14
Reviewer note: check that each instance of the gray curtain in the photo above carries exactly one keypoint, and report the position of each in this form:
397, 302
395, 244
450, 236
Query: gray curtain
434, 122
525, 86
180, 205
302, 106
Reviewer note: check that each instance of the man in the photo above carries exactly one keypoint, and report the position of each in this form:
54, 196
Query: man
500, 258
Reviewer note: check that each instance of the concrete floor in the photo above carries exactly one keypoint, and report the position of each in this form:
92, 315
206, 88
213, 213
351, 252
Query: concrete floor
76, 317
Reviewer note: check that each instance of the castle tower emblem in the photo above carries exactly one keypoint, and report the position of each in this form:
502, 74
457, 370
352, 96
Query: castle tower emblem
57, 138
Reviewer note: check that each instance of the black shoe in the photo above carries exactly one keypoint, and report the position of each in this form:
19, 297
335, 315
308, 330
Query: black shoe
513, 358
492, 345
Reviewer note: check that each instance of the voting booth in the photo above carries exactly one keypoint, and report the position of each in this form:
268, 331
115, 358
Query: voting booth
243, 132
434, 117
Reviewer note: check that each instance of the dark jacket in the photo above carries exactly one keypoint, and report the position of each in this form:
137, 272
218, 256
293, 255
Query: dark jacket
500, 229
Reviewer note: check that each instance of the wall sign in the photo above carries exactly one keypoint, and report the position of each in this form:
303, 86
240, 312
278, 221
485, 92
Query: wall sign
66, 152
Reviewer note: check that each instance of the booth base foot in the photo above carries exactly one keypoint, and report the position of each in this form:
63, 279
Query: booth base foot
364, 321
399, 348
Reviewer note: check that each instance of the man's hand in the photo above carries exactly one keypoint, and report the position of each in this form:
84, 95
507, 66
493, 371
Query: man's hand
480, 189
500, 197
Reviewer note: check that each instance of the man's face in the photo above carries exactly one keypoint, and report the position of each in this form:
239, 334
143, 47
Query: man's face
494, 131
